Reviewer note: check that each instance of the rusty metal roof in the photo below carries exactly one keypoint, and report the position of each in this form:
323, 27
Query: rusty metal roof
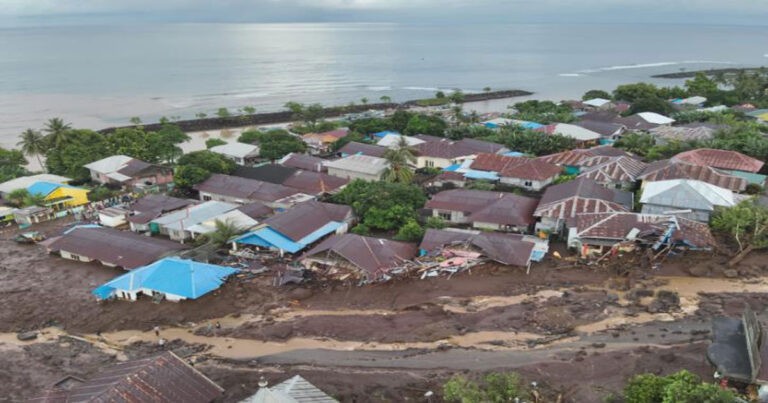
439, 147
305, 218
582, 195
163, 378
504, 248
314, 183
612, 169
516, 167
120, 248
374, 256
370, 150
671, 169
303, 161
152, 206
723, 159
250, 189
617, 226
486, 206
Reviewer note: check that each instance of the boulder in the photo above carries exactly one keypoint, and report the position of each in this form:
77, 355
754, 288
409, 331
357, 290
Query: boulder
26, 336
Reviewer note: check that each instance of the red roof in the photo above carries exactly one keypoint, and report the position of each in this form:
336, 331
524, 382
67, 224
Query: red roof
578, 156
582, 195
669, 169
612, 169
445, 148
516, 167
723, 159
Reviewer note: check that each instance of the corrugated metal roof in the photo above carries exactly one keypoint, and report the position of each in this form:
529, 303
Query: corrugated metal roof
450, 149
237, 149
486, 206
187, 217
185, 278
669, 169
109, 164
360, 163
686, 194
355, 148
305, 218
292, 390
303, 161
315, 183
723, 159
617, 226
509, 249
516, 167
373, 256
582, 195
25, 181
249, 189
152, 206
612, 169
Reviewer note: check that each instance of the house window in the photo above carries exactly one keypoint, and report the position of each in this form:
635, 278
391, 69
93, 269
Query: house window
528, 183
445, 216
429, 164
206, 197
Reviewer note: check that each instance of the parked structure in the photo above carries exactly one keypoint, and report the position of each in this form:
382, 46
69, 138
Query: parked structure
110, 247
358, 167
177, 223
295, 229
172, 279
359, 258
234, 189
529, 173
686, 198
162, 378
129, 172
484, 209
241, 153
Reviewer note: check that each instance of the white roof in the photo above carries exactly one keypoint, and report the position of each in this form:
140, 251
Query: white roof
655, 118
392, 140
109, 164
193, 215
687, 193
694, 100
293, 390
25, 181
237, 150
596, 102
360, 163
576, 132
236, 217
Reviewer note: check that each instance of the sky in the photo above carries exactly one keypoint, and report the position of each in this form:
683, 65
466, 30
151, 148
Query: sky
739, 12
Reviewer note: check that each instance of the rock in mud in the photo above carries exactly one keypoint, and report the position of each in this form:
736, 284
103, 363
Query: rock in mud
300, 293
665, 301
731, 273
26, 336
699, 270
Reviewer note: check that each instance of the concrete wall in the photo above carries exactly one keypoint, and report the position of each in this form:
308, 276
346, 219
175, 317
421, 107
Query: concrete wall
534, 185
432, 162
342, 173
697, 215
457, 217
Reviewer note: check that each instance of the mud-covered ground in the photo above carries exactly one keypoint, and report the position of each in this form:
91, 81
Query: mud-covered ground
578, 331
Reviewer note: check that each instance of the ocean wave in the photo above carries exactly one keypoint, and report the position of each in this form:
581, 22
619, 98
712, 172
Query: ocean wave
650, 65
570, 75
445, 90
379, 88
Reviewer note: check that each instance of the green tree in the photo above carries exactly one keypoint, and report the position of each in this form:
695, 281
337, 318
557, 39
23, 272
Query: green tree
481, 185
633, 92
223, 113
33, 144
17, 197
382, 205
56, 131
211, 162
389, 218
136, 121
435, 223
385, 99
745, 223
411, 231
426, 124
651, 104
592, 94
494, 388
486, 89
186, 176
82, 147
201, 115
439, 95
457, 96
249, 110
544, 112
400, 160
532, 142
399, 120
636, 143
361, 229
225, 230
680, 387
364, 101
210, 143
309, 115
701, 85
276, 144
352, 136
165, 142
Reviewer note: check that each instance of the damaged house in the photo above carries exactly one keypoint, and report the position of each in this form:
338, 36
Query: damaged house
599, 232
361, 258
671, 169
691, 199
151, 206
234, 189
738, 350
293, 230
484, 209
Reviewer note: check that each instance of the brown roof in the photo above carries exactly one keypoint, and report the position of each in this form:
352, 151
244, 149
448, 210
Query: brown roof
255, 210
683, 133
152, 206
303, 161
516, 167
606, 129
669, 169
370, 150
250, 189
373, 256
723, 159
314, 183
163, 378
612, 169
578, 156
508, 249
449, 149
581, 195
305, 218
121, 248
617, 226
485, 206
635, 122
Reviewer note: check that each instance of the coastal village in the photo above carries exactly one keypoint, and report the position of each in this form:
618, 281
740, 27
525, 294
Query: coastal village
615, 188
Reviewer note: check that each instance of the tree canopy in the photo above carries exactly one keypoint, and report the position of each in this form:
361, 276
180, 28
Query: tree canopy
382, 205
680, 387
425, 124
592, 94
493, 388
197, 166
544, 112
12, 164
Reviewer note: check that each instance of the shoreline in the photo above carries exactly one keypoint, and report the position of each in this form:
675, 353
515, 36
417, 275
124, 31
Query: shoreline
708, 72
268, 118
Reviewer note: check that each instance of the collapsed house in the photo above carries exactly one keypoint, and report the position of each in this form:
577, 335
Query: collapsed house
598, 233
110, 247
162, 378
152, 206
356, 257
455, 249
738, 350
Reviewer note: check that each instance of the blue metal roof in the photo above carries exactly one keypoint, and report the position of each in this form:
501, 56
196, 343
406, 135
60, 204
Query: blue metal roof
513, 154
531, 125
472, 174
268, 238
452, 168
326, 229
384, 133
43, 188
185, 278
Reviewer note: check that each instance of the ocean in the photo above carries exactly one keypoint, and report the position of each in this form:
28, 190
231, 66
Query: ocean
97, 76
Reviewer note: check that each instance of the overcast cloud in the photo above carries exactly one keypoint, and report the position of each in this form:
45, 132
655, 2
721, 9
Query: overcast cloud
753, 12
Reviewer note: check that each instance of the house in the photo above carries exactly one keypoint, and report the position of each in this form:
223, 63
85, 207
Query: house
561, 203
484, 209
176, 224
237, 218
607, 130
581, 135
438, 152
670, 169
161, 378
294, 390
665, 134
241, 153
7, 215
113, 217
392, 140
572, 160
110, 247
33, 215
355, 148
151, 206
644, 121
599, 103
234, 189
129, 172
726, 160
692, 199
596, 233
508, 249
456, 179
616, 172
321, 142
27, 181
58, 196
358, 167
359, 258
171, 278
293, 230
306, 182
303, 161
529, 173
738, 351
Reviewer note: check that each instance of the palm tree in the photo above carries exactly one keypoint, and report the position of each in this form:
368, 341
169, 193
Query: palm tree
33, 143
225, 230
458, 114
56, 131
400, 159
386, 99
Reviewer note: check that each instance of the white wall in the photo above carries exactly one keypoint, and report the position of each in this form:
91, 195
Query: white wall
535, 185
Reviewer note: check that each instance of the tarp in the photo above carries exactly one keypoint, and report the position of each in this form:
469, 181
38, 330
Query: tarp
472, 174
185, 278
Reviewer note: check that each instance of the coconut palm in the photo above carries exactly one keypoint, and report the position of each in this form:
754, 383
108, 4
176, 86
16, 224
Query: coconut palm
56, 131
225, 230
400, 160
33, 143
